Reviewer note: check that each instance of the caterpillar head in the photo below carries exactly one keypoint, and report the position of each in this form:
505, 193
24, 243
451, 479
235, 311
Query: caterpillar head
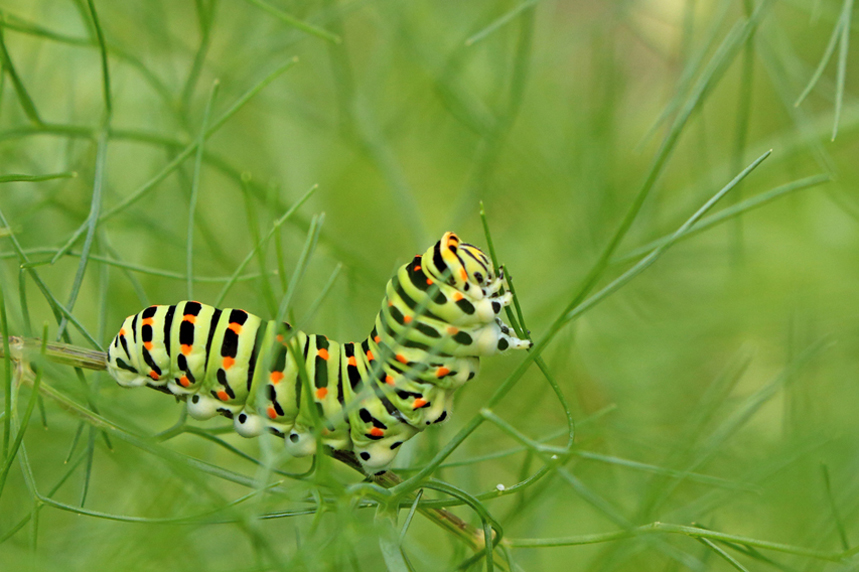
463, 266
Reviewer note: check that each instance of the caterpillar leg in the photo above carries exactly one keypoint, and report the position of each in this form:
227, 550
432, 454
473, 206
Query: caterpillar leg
506, 298
513, 343
249, 424
378, 455
202, 407
300, 442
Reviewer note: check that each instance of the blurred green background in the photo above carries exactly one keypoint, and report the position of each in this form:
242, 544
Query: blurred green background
717, 389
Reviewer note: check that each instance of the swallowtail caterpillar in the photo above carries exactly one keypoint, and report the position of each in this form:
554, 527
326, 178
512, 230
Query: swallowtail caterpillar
440, 314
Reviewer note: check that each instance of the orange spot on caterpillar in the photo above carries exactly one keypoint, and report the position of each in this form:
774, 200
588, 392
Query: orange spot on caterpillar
122, 332
389, 380
352, 361
153, 375
429, 281
184, 381
377, 339
376, 432
417, 268
237, 328
279, 338
457, 296
390, 303
189, 318
407, 319
419, 402
148, 321
464, 274
228, 362
186, 349
272, 413
276, 376
323, 353
441, 372
321, 392
147, 345
401, 358
223, 396
370, 356
452, 330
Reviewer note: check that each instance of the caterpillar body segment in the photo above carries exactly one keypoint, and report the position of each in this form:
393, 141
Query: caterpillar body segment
440, 314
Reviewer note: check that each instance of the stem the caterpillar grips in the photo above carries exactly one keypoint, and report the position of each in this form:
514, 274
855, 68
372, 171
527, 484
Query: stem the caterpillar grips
440, 314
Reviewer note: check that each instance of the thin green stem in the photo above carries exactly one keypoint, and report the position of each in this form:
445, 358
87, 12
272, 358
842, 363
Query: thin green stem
729, 213
206, 18
91, 225
500, 22
24, 98
127, 266
843, 50
7, 377
827, 55
723, 554
301, 267
665, 528
25, 420
195, 188
275, 227
295, 22
36, 178
648, 260
839, 524
105, 70
522, 331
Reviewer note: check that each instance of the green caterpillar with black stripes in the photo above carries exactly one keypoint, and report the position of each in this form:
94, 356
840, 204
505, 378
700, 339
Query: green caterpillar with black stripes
439, 315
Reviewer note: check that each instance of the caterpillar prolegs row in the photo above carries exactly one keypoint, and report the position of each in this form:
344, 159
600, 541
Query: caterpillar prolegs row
439, 315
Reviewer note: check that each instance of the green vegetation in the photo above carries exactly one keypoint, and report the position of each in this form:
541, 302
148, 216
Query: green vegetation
670, 184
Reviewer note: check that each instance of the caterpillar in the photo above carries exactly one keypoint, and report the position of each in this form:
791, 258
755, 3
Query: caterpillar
440, 314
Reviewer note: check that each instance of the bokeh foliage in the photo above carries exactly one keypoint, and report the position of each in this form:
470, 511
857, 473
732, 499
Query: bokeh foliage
717, 390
